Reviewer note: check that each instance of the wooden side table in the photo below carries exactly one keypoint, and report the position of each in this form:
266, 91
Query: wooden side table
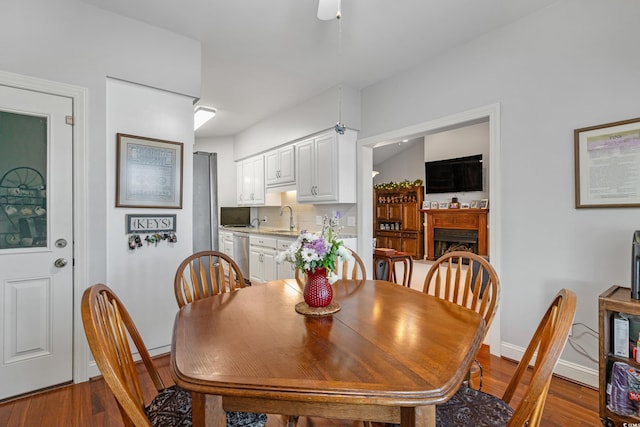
391, 258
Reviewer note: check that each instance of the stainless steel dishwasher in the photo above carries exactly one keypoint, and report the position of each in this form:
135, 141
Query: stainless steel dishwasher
241, 253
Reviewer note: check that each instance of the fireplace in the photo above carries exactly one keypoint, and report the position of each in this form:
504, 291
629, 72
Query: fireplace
455, 229
447, 240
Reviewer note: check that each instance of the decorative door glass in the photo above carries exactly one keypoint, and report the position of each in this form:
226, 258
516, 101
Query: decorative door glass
23, 171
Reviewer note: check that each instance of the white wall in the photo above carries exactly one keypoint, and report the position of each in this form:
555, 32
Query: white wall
460, 142
223, 146
312, 116
143, 278
74, 43
565, 67
407, 164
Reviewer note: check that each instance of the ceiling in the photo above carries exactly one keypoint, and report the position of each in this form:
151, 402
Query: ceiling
260, 57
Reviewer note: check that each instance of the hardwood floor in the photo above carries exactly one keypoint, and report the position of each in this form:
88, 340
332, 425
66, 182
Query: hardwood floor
91, 403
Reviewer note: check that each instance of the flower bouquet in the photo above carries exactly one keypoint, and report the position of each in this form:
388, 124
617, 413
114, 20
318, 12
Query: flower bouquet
311, 251
317, 255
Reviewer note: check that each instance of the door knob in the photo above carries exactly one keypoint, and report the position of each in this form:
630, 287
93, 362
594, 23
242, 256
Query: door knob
60, 262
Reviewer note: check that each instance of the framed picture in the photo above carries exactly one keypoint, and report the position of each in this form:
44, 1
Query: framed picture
475, 204
464, 205
148, 172
607, 165
443, 205
484, 204
434, 205
426, 204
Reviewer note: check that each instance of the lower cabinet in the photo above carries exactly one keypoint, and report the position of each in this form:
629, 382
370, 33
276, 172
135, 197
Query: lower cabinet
285, 270
262, 258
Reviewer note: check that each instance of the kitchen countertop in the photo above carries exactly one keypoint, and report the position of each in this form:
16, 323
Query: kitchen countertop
280, 232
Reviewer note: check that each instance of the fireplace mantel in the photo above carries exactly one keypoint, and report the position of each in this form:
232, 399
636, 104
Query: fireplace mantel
456, 219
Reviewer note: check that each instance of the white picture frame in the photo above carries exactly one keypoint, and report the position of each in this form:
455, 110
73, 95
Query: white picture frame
434, 205
443, 205
484, 204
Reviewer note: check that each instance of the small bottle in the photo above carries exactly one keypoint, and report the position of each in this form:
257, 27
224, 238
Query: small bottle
638, 349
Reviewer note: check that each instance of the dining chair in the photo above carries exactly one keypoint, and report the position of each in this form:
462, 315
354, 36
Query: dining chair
466, 279
471, 407
109, 329
204, 274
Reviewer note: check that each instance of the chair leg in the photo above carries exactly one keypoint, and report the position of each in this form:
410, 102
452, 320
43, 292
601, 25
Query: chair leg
474, 373
292, 421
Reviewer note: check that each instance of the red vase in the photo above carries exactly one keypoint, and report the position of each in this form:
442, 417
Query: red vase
317, 291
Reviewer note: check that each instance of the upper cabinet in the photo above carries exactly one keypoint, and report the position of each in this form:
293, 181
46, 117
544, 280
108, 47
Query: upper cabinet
326, 168
280, 167
250, 181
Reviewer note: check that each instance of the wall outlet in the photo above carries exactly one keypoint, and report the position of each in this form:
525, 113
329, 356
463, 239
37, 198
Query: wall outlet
318, 220
351, 221
264, 219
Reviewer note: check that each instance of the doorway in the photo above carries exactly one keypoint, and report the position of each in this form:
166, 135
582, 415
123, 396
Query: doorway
43, 124
365, 183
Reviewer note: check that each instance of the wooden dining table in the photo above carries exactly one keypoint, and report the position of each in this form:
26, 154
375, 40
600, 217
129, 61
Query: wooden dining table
390, 354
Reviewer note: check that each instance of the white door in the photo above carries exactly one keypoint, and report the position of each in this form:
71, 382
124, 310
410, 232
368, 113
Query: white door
36, 242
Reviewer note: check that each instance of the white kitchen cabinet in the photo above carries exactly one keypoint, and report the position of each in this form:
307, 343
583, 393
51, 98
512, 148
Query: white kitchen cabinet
285, 270
225, 242
280, 167
326, 168
262, 258
250, 185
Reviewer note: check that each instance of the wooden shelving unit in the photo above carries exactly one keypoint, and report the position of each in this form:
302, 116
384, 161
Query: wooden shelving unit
616, 299
398, 221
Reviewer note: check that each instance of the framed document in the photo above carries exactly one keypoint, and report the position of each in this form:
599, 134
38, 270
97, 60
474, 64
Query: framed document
148, 172
607, 165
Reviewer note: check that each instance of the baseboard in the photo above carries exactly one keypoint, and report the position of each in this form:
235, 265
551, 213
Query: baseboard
569, 370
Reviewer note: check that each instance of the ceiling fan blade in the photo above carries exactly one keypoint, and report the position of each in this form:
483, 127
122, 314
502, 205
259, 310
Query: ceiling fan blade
328, 9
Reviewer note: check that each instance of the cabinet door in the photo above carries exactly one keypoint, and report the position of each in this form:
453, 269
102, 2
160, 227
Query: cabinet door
394, 242
287, 165
395, 212
239, 183
285, 271
247, 182
410, 217
305, 179
269, 266
382, 212
257, 166
272, 168
255, 264
410, 245
326, 176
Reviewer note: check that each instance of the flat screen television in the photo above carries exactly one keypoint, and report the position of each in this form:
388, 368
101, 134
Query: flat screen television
453, 175
238, 217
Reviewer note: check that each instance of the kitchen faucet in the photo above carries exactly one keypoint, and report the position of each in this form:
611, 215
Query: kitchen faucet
251, 223
291, 227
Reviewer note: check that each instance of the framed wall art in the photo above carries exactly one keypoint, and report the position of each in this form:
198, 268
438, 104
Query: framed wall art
484, 204
148, 172
607, 165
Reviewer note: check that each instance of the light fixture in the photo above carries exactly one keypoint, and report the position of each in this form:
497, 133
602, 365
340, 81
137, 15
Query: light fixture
374, 173
201, 115
328, 9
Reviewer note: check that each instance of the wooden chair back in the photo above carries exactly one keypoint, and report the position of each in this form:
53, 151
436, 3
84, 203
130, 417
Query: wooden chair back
205, 274
344, 269
466, 279
546, 345
355, 271
109, 330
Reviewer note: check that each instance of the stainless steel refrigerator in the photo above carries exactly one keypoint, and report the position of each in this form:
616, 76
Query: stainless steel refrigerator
205, 201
